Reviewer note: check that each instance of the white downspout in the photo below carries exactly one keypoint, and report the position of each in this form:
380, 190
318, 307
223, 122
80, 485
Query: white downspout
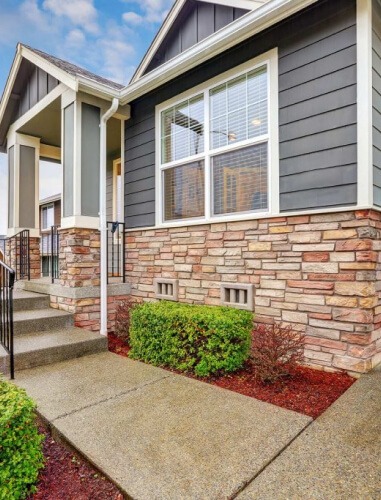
103, 211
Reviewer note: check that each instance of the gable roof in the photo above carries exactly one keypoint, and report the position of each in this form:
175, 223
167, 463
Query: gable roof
74, 70
69, 74
248, 5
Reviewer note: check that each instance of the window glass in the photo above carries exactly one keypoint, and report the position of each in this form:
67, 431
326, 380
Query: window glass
184, 191
237, 112
239, 109
240, 180
182, 130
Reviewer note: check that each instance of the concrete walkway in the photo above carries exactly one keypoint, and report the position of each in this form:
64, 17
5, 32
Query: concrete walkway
338, 457
159, 435
162, 436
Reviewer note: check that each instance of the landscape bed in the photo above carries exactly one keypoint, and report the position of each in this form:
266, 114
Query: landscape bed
68, 477
308, 391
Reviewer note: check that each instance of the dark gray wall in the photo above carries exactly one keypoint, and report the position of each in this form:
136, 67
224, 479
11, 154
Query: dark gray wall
27, 191
11, 180
39, 85
317, 115
376, 102
90, 154
196, 21
68, 161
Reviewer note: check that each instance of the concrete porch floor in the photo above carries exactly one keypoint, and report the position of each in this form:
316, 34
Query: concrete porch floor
159, 435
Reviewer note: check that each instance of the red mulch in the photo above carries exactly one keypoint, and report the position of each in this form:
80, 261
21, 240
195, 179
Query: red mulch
308, 391
117, 345
68, 477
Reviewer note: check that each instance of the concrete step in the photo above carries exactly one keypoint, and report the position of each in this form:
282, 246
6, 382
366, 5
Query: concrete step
26, 301
44, 348
41, 320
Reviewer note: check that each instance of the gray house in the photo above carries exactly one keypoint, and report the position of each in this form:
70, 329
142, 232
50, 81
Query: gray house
244, 159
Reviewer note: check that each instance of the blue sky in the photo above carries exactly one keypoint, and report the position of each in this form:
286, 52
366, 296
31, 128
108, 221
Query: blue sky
108, 37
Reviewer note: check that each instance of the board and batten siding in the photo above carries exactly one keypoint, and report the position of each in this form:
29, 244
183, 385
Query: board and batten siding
196, 21
317, 112
376, 102
38, 86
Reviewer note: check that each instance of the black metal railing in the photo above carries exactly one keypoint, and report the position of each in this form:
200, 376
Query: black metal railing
7, 281
54, 252
115, 251
49, 253
19, 254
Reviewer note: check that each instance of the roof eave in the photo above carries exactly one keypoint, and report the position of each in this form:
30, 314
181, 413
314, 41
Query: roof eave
233, 34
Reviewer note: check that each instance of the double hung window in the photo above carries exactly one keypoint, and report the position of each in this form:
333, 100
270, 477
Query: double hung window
214, 150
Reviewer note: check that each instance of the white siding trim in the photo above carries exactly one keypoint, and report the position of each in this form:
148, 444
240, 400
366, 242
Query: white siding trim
364, 104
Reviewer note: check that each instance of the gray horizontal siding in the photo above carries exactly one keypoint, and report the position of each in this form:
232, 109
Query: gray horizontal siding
317, 112
38, 86
376, 102
318, 115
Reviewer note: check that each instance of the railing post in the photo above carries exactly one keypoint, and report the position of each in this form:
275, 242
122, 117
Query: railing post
7, 280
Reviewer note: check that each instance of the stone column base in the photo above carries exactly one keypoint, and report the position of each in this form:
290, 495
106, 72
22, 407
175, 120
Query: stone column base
79, 257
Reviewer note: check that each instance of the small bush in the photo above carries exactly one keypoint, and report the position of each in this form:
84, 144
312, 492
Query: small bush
199, 339
275, 351
21, 455
122, 319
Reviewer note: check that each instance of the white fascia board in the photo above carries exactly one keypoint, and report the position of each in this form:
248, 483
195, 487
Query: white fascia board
233, 34
97, 89
165, 27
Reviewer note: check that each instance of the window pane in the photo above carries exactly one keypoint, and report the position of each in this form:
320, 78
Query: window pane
240, 180
184, 191
237, 94
239, 109
182, 130
257, 115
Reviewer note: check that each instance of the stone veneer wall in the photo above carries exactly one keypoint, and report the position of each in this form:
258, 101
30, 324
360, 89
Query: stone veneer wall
318, 272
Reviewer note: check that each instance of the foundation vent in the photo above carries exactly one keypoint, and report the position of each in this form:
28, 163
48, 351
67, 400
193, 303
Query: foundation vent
167, 289
237, 295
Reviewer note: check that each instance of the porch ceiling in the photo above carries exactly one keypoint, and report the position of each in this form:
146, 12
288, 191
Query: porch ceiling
46, 125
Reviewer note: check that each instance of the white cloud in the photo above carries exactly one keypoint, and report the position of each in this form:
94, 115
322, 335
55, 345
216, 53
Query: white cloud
153, 11
132, 18
75, 37
79, 12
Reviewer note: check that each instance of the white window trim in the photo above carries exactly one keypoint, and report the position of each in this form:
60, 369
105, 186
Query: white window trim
270, 59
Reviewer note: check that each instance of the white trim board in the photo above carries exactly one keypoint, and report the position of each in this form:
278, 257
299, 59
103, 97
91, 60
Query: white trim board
364, 104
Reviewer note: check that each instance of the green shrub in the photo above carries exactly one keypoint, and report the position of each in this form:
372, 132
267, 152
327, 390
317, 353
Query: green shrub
199, 339
21, 455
